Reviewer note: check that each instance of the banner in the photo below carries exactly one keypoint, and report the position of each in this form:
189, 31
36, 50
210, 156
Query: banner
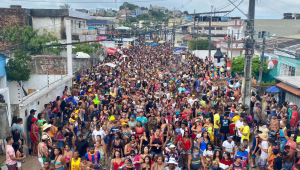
220, 82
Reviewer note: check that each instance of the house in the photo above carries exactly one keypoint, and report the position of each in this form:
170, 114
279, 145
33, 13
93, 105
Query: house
289, 89
122, 12
110, 11
53, 21
157, 8
81, 10
138, 12
100, 11
145, 12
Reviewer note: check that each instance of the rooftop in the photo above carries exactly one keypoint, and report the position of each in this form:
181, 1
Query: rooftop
293, 81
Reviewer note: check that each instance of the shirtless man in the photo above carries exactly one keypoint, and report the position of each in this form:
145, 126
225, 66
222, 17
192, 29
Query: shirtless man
85, 165
207, 106
288, 159
274, 124
47, 166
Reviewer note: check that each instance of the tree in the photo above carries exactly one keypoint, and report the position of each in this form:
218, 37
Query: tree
91, 49
186, 12
237, 66
27, 42
132, 19
143, 17
128, 5
144, 8
202, 44
64, 6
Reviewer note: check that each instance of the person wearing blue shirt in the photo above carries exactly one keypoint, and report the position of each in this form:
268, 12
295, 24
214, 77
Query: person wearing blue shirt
180, 89
114, 130
142, 119
93, 156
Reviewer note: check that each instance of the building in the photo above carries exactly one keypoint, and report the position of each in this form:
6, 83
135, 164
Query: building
157, 8
171, 21
289, 89
110, 11
138, 12
100, 11
145, 12
53, 21
81, 10
122, 12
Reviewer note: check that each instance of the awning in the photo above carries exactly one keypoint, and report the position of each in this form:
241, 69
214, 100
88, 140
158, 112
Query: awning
288, 88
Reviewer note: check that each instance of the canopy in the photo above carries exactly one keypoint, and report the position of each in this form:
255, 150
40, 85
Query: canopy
111, 52
110, 65
161, 41
154, 44
112, 48
182, 46
273, 89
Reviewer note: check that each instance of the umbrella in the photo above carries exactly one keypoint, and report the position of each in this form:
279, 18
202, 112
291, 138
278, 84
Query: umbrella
161, 42
273, 89
110, 65
272, 63
182, 46
112, 48
112, 52
154, 44
123, 56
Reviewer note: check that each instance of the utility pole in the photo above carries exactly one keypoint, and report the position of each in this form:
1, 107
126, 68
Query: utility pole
261, 63
249, 44
173, 31
197, 37
209, 36
231, 39
194, 23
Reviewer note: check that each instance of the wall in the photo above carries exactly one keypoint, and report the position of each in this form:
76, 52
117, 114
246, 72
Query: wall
290, 62
11, 17
4, 125
54, 25
276, 26
203, 53
38, 77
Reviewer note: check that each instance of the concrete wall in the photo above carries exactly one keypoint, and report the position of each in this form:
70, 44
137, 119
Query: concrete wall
203, 53
276, 26
54, 25
4, 125
294, 62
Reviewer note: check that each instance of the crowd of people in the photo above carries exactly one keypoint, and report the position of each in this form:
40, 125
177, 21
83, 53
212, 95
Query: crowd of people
152, 110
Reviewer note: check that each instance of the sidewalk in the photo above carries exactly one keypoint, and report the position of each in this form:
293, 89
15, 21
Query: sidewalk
31, 163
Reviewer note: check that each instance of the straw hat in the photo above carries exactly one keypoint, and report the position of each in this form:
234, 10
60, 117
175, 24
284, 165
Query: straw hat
264, 136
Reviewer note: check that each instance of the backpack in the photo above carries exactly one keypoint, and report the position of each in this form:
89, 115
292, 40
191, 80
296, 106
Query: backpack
16, 135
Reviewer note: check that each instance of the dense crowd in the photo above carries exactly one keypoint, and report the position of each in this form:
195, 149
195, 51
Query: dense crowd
151, 110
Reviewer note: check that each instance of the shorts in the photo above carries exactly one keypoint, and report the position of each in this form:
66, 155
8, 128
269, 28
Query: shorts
154, 153
185, 152
216, 133
288, 165
257, 122
223, 136
41, 161
54, 115
60, 144
263, 163
238, 139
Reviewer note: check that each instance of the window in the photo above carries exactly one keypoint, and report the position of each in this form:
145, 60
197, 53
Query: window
79, 24
179, 42
259, 35
219, 28
238, 35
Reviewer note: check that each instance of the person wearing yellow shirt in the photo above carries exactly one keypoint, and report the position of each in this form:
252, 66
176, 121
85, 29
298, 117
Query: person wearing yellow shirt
217, 126
236, 117
246, 131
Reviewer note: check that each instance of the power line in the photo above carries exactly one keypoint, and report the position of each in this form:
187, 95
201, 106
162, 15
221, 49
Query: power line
270, 7
288, 4
83, 1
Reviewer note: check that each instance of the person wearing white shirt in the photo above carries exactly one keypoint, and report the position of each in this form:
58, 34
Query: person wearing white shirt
192, 100
97, 132
239, 124
228, 146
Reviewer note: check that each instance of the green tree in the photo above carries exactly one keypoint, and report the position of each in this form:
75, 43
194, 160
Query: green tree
27, 42
64, 6
144, 8
91, 49
186, 12
202, 44
143, 17
237, 66
128, 5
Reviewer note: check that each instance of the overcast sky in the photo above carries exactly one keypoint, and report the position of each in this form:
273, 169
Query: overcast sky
265, 9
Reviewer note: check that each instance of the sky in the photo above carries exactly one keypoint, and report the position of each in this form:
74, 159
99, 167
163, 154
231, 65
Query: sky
265, 9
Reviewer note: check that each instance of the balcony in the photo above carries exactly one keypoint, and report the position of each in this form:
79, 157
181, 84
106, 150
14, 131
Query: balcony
236, 45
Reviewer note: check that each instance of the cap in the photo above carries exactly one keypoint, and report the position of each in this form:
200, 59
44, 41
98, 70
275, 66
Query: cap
124, 123
172, 161
197, 120
32, 111
172, 146
44, 137
34, 119
229, 137
132, 116
193, 95
98, 166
